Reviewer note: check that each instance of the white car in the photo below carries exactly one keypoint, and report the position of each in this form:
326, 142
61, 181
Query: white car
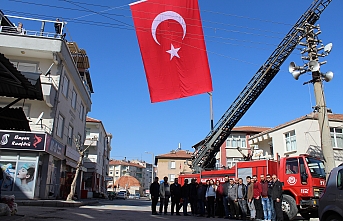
121, 195
331, 201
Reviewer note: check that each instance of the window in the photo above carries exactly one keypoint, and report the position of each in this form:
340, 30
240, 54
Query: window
340, 179
172, 165
292, 166
235, 141
290, 139
79, 139
171, 177
65, 85
336, 137
60, 125
230, 162
73, 99
70, 135
82, 110
88, 132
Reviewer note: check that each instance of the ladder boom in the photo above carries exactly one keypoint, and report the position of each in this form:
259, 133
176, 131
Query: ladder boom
206, 150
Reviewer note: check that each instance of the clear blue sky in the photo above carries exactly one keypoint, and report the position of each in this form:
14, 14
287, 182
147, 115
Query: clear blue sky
240, 36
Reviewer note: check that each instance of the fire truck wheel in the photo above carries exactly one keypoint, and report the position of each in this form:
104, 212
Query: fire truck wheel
289, 206
333, 217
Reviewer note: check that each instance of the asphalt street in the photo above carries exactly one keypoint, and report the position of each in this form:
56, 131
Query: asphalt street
121, 210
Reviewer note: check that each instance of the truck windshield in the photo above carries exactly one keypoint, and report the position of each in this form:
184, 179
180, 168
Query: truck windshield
316, 167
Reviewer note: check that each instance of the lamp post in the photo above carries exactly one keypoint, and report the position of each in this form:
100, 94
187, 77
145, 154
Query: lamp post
313, 66
211, 110
152, 165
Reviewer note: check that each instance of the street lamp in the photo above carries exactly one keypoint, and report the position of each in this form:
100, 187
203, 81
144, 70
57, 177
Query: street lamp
152, 165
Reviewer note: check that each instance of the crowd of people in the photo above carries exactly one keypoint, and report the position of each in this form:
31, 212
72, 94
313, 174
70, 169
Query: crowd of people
233, 199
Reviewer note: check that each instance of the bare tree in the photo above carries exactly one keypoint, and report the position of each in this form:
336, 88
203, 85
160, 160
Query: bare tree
79, 165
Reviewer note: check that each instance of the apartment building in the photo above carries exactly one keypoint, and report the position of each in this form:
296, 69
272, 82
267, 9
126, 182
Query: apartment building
301, 136
173, 164
41, 135
96, 157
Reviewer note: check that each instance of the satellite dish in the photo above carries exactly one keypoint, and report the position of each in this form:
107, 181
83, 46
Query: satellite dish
39, 118
327, 48
328, 76
314, 65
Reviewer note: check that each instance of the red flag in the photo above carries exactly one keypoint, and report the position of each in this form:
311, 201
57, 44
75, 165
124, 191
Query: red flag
173, 49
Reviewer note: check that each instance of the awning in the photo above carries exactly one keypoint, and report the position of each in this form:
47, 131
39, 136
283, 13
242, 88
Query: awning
14, 83
13, 119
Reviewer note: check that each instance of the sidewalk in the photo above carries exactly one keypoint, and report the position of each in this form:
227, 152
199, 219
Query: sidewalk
57, 203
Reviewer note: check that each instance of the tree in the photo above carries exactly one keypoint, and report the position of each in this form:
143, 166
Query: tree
79, 165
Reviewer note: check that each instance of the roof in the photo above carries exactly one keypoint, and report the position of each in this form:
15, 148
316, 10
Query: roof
124, 163
251, 129
311, 116
89, 119
180, 154
127, 182
14, 83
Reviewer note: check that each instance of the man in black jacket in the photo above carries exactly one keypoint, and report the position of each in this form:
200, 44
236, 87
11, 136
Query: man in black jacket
175, 191
277, 198
242, 198
225, 197
185, 196
154, 191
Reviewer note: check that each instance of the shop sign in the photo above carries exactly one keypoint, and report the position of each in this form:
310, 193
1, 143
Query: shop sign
54, 147
22, 140
72, 153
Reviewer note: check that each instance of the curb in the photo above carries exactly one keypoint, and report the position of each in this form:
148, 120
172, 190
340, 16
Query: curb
55, 203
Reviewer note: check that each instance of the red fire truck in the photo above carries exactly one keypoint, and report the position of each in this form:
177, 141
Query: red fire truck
303, 179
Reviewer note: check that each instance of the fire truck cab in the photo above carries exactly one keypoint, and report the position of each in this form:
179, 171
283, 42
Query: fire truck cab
303, 179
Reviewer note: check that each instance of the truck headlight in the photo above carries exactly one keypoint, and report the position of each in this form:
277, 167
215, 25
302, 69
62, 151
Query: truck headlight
316, 192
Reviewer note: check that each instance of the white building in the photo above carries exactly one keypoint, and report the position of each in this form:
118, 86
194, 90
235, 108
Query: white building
45, 59
96, 157
301, 136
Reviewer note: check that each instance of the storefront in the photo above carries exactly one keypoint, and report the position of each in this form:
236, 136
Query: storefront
32, 164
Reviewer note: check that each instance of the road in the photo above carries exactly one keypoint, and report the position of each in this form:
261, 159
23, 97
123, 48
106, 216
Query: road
123, 210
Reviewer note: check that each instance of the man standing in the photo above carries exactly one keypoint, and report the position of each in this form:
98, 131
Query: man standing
277, 198
164, 195
232, 195
270, 189
154, 192
250, 197
1, 180
175, 190
241, 197
193, 196
265, 199
185, 196
225, 197
257, 198
219, 199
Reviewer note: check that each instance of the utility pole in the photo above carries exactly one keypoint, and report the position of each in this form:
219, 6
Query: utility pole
313, 65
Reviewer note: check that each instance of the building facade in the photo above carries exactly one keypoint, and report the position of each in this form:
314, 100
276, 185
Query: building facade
47, 147
97, 148
301, 136
173, 164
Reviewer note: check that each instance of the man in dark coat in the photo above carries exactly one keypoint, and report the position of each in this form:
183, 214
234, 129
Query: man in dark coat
154, 191
225, 197
175, 191
1, 180
193, 196
277, 198
185, 196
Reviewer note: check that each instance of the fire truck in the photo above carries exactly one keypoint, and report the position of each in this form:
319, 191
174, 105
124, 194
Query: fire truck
301, 189
303, 179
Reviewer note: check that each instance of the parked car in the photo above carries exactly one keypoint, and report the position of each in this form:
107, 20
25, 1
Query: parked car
132, 196
137, 196
331, 201
121, 195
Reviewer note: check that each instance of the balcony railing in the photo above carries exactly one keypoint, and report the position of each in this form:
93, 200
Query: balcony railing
16, 31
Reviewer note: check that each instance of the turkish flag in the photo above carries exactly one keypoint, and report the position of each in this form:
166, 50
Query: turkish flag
173, 49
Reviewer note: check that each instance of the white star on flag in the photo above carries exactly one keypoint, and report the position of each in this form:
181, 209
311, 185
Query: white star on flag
173, 52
